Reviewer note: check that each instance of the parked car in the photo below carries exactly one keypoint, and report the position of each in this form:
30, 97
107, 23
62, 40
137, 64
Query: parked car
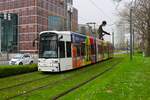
21, 59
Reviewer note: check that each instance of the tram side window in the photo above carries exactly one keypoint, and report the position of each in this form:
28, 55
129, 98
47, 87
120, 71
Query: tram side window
78, 50
82, 49
62, 49
68, 48
92, 49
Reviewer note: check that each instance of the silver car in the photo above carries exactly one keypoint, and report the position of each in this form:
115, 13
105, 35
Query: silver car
21, 59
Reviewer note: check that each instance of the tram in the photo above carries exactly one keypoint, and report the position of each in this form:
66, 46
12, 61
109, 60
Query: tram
64, 50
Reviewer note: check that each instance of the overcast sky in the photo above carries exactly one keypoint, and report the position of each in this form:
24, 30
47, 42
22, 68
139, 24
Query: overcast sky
94, 10
97, 11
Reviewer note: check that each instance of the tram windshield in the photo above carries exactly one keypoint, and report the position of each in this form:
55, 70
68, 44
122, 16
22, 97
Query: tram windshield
48, 46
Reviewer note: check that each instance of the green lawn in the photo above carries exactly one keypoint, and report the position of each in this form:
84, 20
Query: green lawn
66, 80
77, 77
130, 80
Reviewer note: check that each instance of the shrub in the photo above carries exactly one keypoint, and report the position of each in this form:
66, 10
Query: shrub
8, 70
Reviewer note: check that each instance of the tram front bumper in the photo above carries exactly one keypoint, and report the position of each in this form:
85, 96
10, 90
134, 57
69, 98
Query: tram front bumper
48, 69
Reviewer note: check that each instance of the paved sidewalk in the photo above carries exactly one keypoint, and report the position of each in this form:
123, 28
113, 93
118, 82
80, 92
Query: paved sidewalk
4, 62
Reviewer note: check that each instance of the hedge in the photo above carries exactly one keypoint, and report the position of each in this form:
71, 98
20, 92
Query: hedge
8, 70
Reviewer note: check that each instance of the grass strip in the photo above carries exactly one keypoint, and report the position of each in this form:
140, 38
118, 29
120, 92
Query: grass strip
128, 81
55, 89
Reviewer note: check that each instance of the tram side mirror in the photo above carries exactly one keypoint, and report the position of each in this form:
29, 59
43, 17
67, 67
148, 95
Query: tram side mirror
61, 37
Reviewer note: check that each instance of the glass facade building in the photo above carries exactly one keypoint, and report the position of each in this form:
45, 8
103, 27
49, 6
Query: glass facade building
56, 23
9, 33
35, 16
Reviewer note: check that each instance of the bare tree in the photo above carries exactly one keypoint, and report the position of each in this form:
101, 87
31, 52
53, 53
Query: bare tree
141, 21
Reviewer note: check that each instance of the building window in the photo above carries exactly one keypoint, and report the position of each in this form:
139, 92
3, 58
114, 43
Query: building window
9, 33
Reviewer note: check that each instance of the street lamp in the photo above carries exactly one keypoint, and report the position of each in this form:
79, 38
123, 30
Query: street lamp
93, 23
131, 34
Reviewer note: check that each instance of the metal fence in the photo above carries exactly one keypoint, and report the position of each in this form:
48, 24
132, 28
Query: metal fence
4, 58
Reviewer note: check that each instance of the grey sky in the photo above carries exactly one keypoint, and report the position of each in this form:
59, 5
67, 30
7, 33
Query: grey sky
97, 11
88, 12
104, 10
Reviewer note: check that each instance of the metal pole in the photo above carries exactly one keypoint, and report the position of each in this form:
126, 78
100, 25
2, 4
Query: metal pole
133, 42
0, 36
95, 41
113, 42
94, 29
70, 20
131, 52
70, 10
94, 35
127, 46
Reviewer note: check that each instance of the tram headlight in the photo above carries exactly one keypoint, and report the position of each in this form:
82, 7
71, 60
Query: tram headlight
55, 61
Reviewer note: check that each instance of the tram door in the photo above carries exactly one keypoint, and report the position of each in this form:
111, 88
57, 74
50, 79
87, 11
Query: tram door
65, 55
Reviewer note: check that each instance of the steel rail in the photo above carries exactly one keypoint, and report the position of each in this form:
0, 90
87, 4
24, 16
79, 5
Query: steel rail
49, 85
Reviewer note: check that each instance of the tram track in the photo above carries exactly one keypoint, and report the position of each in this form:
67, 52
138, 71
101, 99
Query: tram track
50, 84
20, 84
83, 83
21, 80
19, 76
26, 82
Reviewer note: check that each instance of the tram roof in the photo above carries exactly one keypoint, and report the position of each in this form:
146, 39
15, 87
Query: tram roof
57, 32
62, 32
68, 33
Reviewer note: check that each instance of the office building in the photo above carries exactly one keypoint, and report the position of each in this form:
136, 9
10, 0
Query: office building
33, 16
